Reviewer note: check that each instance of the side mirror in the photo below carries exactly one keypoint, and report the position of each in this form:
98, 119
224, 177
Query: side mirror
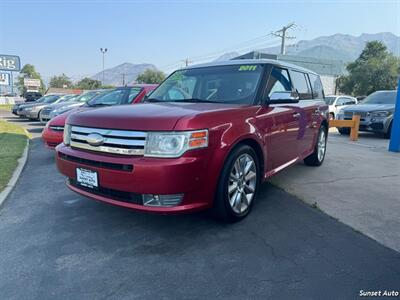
283, 97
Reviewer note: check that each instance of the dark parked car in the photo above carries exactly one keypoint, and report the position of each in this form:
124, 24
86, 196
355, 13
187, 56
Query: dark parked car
376, 112
32, 96
208, 137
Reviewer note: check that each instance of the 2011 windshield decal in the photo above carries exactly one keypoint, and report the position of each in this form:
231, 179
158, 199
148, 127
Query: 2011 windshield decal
248, 68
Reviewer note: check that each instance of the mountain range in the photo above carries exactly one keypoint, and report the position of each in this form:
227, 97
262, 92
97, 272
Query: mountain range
123, 73
344, 47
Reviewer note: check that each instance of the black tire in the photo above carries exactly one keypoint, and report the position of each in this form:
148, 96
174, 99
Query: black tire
387, 134
222, 208
344, 131
315, 158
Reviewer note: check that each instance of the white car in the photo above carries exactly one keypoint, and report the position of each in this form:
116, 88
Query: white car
337, 102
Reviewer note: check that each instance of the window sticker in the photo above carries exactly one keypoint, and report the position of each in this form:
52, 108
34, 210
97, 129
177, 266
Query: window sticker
247, 68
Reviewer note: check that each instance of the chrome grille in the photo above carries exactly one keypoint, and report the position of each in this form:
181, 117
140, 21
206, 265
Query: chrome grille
122, 142
57, 128
349, 114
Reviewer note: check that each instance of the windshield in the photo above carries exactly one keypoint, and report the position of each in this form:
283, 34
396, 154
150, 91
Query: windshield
221, 84
388, 97
330, 100
50, 98
66, 98
87, 96
113, 97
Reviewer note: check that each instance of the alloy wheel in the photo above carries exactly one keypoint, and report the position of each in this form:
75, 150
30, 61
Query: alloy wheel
242, 183
321, 145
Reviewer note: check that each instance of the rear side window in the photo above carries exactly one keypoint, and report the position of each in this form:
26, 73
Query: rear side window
316, 86
300, 83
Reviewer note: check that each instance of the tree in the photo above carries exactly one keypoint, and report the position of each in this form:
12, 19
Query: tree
28, 71
60, 81
88, 84
375, 69
151, 76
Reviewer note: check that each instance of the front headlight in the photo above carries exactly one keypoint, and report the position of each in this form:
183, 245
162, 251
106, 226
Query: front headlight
174, 144
67, 134
380, 114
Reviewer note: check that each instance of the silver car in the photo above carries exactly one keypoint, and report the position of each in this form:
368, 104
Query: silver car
79, 101
32, 111
376, 113
44, 115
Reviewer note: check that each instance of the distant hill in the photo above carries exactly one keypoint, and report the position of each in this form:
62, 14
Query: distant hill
227, 56
339, 46
114, 76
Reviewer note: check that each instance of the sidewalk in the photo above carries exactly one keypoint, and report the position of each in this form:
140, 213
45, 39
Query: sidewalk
358, 184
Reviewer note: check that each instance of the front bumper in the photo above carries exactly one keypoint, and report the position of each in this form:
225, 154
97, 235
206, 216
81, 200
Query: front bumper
29, 114
370, 124
187, 175
51, 138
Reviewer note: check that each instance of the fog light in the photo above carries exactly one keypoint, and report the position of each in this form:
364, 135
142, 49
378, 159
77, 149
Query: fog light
162, 200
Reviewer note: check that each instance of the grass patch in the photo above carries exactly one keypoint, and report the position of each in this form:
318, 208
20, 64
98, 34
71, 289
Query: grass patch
6, 107
12, 145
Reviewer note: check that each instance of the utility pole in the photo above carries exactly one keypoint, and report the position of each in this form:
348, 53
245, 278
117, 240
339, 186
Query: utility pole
103, 51
282, 34
187, 61
123, 79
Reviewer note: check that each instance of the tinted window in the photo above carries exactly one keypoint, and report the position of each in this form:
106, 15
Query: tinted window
330, 100
316, 86
278, 82
221, 84
299, 81
133, 93
111, 98
381, 98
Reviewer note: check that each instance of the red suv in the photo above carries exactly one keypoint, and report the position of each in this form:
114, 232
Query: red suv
52, 134
208, 136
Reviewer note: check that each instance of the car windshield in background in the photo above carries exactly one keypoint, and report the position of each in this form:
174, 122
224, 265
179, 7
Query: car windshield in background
87, 96
66, 98
51, 98
329, 100
221, 84
388, 97
113, 97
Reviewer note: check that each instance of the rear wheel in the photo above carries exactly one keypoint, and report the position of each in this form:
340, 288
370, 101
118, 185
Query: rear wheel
238, 185
318, 156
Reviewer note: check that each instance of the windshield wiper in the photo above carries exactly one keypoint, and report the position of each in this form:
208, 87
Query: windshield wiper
196, 100
153, 100
98, 104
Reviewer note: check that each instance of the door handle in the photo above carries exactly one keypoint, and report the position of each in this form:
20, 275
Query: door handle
296, 115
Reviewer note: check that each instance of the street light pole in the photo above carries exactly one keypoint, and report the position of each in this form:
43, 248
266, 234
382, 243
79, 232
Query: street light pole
103, 51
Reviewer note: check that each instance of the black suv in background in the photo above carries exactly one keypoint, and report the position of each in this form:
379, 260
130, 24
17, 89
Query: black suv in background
32, 96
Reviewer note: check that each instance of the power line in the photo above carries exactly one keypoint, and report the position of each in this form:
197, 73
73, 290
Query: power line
282, 34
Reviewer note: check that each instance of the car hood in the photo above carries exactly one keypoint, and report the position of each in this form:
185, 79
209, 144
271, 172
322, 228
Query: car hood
369, 107
56, 105
143, 116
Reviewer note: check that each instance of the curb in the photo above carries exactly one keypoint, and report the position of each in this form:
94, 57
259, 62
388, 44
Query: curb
17, 172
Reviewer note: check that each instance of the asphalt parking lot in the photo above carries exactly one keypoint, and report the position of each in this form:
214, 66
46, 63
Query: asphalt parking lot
56, 244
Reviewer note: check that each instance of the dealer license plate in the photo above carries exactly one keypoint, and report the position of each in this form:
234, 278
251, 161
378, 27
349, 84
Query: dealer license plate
87, 178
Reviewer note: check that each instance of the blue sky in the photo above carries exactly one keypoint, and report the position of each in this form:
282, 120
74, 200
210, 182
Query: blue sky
65, 36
